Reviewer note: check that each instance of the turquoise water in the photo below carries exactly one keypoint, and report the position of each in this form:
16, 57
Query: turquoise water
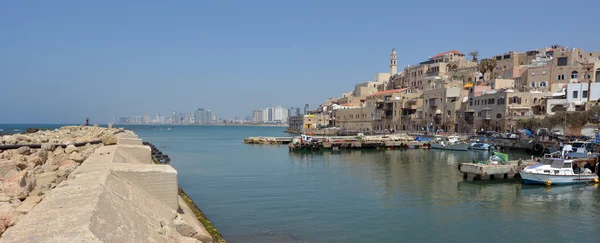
255, 193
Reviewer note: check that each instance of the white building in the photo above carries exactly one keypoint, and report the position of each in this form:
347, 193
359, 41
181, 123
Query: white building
578, 93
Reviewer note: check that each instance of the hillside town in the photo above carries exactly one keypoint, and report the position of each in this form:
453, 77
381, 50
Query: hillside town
457, 93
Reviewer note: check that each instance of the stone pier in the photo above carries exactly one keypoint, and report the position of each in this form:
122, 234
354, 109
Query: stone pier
117, 195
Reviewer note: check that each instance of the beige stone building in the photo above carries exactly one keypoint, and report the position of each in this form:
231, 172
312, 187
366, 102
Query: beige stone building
441, 104
499, 110
354, 119
442, 64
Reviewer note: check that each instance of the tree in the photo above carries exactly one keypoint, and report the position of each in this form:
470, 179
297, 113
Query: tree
487, 65
474, 54
482, 67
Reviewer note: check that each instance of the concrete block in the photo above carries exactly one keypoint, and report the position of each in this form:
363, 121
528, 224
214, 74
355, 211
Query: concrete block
137, 154
159, 181
129, 141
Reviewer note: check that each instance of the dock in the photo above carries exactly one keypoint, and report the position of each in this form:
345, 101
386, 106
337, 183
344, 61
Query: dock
476, 171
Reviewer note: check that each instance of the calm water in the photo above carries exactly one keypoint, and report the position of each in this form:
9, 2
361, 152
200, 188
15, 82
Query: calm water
256, 193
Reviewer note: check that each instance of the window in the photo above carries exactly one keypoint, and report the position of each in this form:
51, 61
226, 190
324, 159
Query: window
485, 102
543, 84
471, 90
534, 100
575, 93
574, 74
562, 61
584, 94
560, 77
479, 114
532, 84
499, 58
498, 115
492, 101
507, 56
471, 101
449, 113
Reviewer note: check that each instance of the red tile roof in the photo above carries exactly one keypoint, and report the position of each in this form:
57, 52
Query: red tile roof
448, 52
388, 92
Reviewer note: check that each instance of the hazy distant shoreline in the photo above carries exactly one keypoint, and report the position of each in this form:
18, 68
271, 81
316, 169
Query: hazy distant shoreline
240, 125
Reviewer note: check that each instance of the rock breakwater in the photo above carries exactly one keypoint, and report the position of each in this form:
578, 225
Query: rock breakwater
70, 191
27, 174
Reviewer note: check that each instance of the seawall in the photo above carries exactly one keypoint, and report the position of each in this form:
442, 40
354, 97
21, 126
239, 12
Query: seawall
118, 194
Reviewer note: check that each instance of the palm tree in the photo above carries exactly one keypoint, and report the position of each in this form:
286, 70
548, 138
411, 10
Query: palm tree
555, 46
482, 67
474, 54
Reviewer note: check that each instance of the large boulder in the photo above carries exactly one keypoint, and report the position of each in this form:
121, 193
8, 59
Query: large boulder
6, 217
65, 168
59, 150
76, 157
109, 139
23, 150
8, 169
70, 149
19, 185
87, 152
48, 146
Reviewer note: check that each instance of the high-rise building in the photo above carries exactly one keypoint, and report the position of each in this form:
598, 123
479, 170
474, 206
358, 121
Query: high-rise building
270, 113
279, 114
297, 111
265, 114
199, 115
174, 118
209, 117
181, 117
292, 111
306, 109
257, 116
146, 119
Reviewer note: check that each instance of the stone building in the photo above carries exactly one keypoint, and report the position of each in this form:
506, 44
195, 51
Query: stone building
355, 119
499, 110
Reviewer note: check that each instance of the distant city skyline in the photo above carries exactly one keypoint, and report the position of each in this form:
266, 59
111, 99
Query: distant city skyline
64, 61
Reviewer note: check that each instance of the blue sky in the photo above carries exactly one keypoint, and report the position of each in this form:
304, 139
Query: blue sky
61, 61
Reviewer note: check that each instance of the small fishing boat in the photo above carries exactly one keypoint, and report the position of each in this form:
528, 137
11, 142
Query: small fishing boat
480, 146
450, 143
555, 171
558, 171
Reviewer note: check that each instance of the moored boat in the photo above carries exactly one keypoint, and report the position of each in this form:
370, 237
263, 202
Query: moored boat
480, 146
556, 171
450, 143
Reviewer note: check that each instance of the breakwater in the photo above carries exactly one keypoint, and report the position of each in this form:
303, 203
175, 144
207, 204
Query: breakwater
108, 192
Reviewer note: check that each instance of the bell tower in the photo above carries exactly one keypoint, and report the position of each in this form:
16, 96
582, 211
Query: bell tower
393, 63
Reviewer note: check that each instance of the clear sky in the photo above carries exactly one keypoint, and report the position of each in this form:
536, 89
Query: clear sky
61, 61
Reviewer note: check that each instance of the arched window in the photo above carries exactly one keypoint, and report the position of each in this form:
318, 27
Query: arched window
574, 74
543, 84
535, 100
471, 101
498, 115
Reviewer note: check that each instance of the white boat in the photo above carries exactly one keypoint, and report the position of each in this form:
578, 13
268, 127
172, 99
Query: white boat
450, 143
555, 171
480, 146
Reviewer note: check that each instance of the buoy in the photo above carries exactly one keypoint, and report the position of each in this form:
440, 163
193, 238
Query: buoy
596, 180
548, 183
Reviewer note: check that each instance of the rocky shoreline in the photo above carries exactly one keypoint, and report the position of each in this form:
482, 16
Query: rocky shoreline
28, 173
